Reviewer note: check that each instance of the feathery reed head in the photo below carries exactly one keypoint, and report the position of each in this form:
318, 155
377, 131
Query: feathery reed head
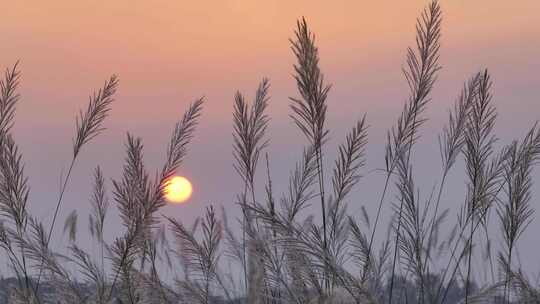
100, 204
309, 111
421, 73
249, 130
90, 123
182, 134
8, 97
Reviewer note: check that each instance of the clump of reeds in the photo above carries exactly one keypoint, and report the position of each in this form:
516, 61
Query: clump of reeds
282, 253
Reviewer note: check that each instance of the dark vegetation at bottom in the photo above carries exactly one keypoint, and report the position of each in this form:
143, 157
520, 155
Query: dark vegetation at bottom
283, 254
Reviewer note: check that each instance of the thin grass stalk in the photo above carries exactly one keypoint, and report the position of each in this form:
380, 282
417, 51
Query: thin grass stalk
396, 252
250, 124
451, 144
276, 295
452, 258
488, 248
490, 191
469, 265
88, 126
515, 214
478, 148
421, 75
411, 243
155, 274
14, 183
150, 197
203, 257
466, 223
372, 238
484, 179
463, 253
100, 205
351, 158
309, 112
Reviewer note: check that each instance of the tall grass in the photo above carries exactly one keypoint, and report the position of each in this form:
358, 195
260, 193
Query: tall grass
281, 252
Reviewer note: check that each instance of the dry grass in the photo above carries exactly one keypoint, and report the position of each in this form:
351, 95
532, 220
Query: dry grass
283, 254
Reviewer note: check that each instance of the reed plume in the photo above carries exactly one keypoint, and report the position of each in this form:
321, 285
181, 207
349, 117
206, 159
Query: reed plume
139, 199
421, 73
14, 189
309, 111
250, 124
88, 125
515, 214
202, 257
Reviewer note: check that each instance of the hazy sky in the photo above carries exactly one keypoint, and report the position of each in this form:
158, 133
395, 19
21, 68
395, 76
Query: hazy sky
167, 53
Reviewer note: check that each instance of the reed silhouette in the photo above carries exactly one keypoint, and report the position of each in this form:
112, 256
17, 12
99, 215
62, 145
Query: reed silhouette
283, 254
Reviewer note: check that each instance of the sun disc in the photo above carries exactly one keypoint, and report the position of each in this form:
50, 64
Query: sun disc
178, 190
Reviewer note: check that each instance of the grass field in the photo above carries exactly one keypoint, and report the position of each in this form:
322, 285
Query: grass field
282, 253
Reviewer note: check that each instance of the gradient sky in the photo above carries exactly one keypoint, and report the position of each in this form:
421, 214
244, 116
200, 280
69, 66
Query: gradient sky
167, 53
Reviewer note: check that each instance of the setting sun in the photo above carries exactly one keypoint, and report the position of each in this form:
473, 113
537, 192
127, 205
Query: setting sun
178, 190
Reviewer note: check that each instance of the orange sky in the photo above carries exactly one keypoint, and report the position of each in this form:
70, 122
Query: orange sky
167, 53
200, 47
